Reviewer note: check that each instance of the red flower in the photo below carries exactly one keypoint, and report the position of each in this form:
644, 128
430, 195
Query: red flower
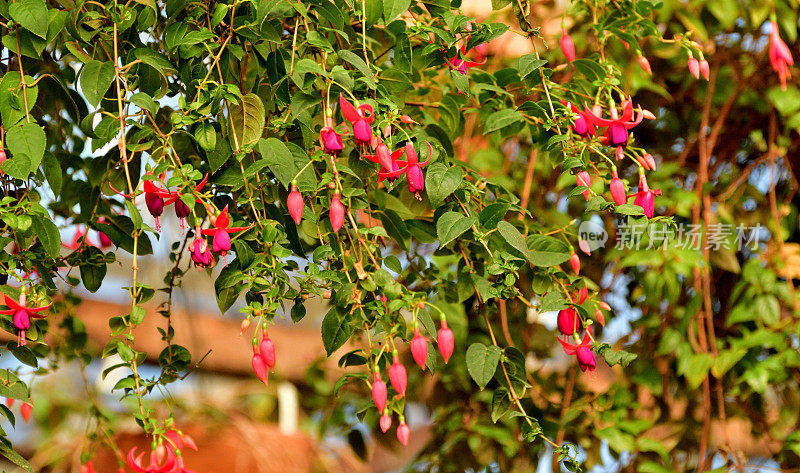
617, 188
403, 432
582, 351
379, 392
419, 349
398, 376
331, 140
567, 45
201, 254
295, 204
645, 197
617, 132
583, 125
459, 63
181, 209
694, 67
360, 117
221, 232
385, 421
779, 55
155, 466
22, 315
387, 160
336, 213
446, 341
413, 169
154, 198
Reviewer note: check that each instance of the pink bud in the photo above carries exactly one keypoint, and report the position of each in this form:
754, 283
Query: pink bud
446, 341
398, 377
295, 204
618, 190
583, 294
10, 401
645, 65
403, 433
583, 179
379, 393
419, 349
385, 421
704, 69
567, 46
2, 160
26, 410
567, 321
694, 67
575, 262
105, 241
267, 350
598, 314
407, 119
651, 163
336, 212
260, 368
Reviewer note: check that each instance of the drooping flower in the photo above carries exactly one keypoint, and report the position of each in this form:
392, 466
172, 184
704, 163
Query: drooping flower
361, 117
105, 241
617, 132
704, 70
260, 367
26, 409
403, 432
583, 125
567, 321
181, 209
694, 67
387, 160
267, 350
582, 351
155, 465
419, 349
567, 45
22, 315
379, 392
295, 204
583, 179
645, 197
385, 421
336, 212
398, 376
459, 61
330, 139
221, 232
154, 198
176, 441
412, 168
446, 341
201, 253
645, 65
617, 188
780, 57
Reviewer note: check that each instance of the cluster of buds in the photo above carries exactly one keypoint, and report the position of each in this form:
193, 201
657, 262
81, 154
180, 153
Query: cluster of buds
263, 355
698, 67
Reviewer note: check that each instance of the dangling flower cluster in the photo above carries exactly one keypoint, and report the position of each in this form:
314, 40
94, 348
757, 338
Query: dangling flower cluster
617, 126
165, 457
411, 167
22, 314
698, 67
263, 355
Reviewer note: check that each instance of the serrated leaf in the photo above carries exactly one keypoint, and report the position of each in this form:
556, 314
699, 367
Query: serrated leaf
451, 225
514, 238
96, 78
441, 182
31, 15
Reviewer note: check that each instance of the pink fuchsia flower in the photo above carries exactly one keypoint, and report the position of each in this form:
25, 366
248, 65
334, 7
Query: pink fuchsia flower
26, 409
459, 61
403, 432
779, 55
582, 351
567, 321
295, 204
583, 125
385, 421
617, 132
575, 262
200, 252
221, 232
267, 350
260, 367
704, 70
645, 65
645, 197
330, 139
419, 349
694, 67
361, 117
446, 341
413, 170
181, 209
567, 45
336, 212
154, 199
22, 315
136, 464
583, 179
379, 392
397, 376
388, 161
617, 188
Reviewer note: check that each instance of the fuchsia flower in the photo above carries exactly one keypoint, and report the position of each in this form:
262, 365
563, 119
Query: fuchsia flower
330, 139
462, 65
412, 168
387, 160
336, 213
645, 197
26, 409
567, 45
397, 376
201, 254
645, 65
154, 198
583, 179
361, 118
575, 262
403, 432
704, 70
267, 350
22, 315
617, 188
295, 204
419, 349
385, 421
617, 132
583, 125
379, 392
582, 351
181, 209
169, 464
260, 367
567, 321
779, 55
694, 67
221, 232
446, 341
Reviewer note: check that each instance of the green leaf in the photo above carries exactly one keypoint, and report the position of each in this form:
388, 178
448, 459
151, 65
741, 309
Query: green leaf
280, 160
248, 119
441, 182
15, 457
392, 9
514, 238
335, 331
451, 225
145, 102
11, 107
629, 209
482, 362
501, 402
492, 215
28, 139
31, 15
52, 172
206, 136
96, 78
360, 65
613, 357
501, 119
93, 271
529, 63
154, 59
47, 233
547, 251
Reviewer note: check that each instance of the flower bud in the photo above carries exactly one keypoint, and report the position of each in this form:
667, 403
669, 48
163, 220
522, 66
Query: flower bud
385, 421
575, 262
336, 212
704, 71
379, 393
295, 204
267, 350
403, 432
583, 179
398, 376
567, 46
446, 341
567, 321
694, 67
419, 349
645, 65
